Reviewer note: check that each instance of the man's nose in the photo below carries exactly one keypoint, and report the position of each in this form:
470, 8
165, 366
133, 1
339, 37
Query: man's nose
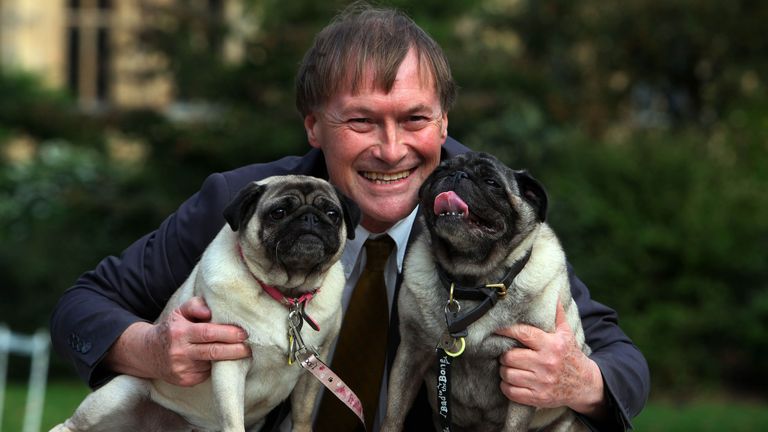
392, 148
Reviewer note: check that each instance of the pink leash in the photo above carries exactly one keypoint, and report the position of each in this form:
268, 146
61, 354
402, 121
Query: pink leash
307, 355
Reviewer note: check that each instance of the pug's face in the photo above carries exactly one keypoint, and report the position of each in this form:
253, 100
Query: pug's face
292, 225
477, 210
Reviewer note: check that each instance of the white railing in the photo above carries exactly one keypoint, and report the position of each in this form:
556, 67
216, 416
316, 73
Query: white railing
36, 347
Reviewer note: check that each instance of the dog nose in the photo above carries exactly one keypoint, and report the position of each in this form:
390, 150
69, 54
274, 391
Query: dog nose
457, 176
310, 219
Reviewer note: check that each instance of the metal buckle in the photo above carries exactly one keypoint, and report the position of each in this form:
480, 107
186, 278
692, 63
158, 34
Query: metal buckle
501, 289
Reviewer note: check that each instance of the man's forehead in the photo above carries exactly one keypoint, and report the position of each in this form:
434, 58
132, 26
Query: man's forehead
372, 80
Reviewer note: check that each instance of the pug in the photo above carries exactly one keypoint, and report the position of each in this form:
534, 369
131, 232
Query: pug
485, 259
284, 234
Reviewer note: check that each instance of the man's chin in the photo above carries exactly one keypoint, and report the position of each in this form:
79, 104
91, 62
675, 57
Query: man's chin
382, 218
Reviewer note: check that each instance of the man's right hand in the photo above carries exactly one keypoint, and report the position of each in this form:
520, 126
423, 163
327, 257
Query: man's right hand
180, 348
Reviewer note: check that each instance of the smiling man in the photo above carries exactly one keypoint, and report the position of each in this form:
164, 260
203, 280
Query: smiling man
381, 143
374, 91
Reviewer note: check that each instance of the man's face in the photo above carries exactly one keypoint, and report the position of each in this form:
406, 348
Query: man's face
379, 147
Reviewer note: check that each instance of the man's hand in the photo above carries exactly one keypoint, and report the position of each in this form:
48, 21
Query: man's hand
179, 349
551, 371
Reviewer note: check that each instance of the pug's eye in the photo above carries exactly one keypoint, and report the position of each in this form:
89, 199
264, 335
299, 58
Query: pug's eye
492, 182
333, 215
277, 214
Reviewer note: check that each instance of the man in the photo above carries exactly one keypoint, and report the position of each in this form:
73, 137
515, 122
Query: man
374, 92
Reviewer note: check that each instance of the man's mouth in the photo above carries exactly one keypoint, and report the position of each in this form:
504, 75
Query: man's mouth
383, 178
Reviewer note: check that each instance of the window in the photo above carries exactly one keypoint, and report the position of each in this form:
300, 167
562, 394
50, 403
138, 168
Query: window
89, 51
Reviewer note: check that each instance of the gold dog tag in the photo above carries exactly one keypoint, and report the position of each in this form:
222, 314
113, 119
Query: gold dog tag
452, 346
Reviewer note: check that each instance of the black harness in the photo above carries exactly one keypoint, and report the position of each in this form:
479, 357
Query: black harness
452, 343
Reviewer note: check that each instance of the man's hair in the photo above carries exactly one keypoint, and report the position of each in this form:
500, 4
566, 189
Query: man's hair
363, 37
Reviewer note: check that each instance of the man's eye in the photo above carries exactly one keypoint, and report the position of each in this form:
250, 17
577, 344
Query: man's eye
361, 124
416, 122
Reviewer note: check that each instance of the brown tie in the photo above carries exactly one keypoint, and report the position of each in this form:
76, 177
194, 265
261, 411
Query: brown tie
362, 347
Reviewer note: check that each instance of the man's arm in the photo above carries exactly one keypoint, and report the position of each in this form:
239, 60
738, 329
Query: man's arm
131, 290
179, 349
608, 388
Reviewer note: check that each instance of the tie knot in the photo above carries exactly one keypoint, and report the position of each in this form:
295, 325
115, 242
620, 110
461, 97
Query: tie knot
377, 252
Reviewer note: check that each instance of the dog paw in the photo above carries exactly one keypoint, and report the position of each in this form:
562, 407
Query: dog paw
60, 428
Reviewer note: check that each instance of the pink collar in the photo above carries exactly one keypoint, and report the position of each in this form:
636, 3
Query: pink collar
289, 302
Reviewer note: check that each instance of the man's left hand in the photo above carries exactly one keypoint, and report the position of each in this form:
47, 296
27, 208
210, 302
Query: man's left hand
550, 370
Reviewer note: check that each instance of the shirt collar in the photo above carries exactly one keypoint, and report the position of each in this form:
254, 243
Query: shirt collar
399, 233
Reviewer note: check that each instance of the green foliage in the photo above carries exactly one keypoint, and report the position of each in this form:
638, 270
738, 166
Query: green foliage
57, 211
43, 114
670, 229
672, 236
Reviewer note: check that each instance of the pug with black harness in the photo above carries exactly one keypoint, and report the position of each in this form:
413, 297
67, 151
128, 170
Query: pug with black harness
484, 260
272, 268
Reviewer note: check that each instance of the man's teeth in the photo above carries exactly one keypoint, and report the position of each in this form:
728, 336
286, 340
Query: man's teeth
385, 177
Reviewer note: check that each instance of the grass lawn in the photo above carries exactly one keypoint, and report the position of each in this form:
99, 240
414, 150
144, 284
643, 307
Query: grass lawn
62, 397
703, 416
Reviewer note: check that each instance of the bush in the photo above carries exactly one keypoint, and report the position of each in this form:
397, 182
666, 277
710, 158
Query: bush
670, 229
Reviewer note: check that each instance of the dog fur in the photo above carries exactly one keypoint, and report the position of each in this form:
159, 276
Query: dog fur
504, 219
292, 231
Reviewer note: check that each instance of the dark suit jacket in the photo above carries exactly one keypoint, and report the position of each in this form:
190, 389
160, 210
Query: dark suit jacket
135, 286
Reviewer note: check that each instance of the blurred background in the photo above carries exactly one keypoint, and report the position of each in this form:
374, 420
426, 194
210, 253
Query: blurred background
647, 120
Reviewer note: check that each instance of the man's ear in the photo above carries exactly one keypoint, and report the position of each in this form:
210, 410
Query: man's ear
444, 126
310, 124
533, 193
352, 213
240, 210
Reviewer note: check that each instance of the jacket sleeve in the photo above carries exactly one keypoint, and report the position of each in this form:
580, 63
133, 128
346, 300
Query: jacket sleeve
135, 286
624, 369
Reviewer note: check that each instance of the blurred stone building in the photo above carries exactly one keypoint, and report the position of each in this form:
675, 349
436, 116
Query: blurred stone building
91, 47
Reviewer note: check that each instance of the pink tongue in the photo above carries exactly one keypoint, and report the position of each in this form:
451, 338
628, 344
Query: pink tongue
451, 203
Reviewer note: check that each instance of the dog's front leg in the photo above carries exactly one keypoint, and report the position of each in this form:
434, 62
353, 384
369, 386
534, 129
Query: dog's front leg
110, 408
303, 400
406, 376
228, 379
519, 417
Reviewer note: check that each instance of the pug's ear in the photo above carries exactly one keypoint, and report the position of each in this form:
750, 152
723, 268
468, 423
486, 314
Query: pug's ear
533, 192
352, 213
240, 210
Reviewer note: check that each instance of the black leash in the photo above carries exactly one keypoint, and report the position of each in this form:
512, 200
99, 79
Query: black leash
452, 343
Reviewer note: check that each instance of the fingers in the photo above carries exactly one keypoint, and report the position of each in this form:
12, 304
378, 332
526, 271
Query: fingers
195, 310
535, 338
206, 333
208, 341
219, 351
527, 335
517, 394
561, 321
192, 374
